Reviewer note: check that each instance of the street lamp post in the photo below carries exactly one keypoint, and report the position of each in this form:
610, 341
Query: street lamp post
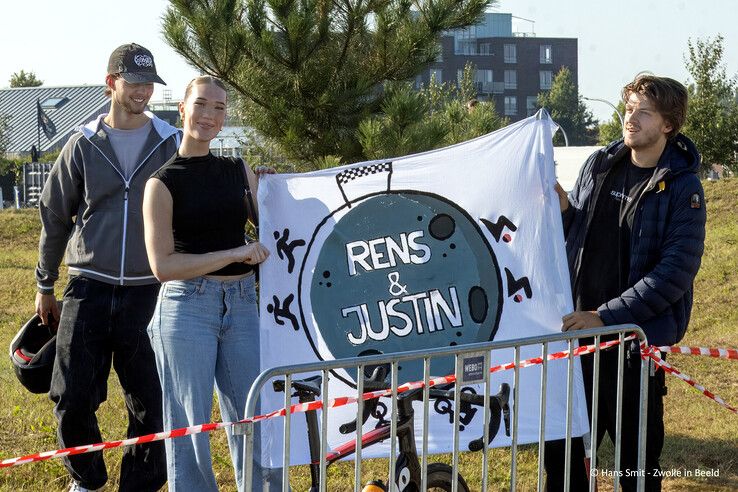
620, 116
542, 114
566, 139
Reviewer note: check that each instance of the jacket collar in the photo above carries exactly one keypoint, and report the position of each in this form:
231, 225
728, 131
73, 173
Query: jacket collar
164, 129
94, 132
679, 156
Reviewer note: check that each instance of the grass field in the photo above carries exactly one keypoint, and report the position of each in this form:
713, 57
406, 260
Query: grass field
700, 434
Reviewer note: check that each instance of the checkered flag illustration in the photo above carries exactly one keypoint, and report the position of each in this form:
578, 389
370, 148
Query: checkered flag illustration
358, 181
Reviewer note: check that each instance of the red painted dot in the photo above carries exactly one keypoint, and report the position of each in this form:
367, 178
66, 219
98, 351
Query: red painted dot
507, 238
518, 298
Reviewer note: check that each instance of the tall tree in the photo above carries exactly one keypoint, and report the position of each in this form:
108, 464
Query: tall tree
611, 130
566, 107
412, 121
4, 131
24, 79
309, 71
712, 121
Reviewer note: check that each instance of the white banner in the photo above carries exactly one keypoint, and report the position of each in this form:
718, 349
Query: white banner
458, 245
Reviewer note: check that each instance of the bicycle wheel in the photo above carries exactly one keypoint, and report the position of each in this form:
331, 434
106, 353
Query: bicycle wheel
439, 478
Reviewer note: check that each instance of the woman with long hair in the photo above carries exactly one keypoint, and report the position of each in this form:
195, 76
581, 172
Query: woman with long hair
205, 328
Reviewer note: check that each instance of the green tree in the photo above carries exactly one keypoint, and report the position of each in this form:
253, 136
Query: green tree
4, 131
412, 121
406, 124
24, 79
308, 72
712, 121
612, 130
566, 107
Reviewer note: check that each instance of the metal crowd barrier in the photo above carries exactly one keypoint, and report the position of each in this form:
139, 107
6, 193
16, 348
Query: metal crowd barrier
34, 177
286, 373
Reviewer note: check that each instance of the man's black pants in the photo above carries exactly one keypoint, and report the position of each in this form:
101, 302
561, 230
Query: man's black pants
554, 451
103, 325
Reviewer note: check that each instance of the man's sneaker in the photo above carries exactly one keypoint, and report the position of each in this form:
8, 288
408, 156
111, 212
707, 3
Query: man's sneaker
76, 487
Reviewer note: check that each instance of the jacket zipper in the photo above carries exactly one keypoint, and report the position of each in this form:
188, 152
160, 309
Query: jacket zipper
127, 183
125, 232
658, 176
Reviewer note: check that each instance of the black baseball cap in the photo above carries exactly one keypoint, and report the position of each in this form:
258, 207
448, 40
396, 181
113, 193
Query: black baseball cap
134, 63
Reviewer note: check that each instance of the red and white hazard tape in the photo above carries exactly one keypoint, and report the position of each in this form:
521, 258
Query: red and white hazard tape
90, 448
296, 408
337, 402
653, 353
709, 352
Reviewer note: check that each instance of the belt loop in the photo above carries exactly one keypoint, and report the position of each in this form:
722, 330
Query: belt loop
241, 287
201, 284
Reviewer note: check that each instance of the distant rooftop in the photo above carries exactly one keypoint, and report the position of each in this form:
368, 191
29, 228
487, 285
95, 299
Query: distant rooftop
67, 107
497, 25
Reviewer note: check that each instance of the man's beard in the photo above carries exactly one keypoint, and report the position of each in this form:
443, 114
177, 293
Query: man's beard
129, 106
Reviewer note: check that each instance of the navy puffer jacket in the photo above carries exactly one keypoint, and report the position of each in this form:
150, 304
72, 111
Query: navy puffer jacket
667, 239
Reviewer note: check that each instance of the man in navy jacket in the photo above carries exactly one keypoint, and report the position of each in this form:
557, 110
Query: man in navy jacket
635, 228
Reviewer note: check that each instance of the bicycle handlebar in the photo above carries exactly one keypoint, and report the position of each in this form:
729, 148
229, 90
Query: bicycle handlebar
375, 382
499, 410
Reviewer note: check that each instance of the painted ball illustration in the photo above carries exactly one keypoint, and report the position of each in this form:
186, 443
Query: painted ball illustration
397, 271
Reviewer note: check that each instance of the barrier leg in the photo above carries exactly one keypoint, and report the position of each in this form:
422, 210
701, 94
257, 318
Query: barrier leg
359, 426
248, 452
595, 411
287, 435
516, 400
647, 367
569, 394
542, 422
426, 404
324, 433
619, 410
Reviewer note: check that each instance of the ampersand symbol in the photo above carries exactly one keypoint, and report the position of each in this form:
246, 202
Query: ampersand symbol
395, 288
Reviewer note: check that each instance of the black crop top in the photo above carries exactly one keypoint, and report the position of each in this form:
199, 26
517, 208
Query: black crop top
209, 208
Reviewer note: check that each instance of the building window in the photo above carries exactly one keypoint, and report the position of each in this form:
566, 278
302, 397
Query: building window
531, 105
470, 48
511, 53
54, 102
511, 105
511, 79
437, 73
439, 58
483, 75
546, 78
418, 81
459, 77
466, 42
485, 49
546, 56
483, 80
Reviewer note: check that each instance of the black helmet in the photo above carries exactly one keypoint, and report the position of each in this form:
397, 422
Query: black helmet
32, 352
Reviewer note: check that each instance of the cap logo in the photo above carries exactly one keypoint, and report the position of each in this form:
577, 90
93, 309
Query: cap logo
143, 61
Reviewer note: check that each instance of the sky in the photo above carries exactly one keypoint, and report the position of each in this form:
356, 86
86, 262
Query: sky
617, 38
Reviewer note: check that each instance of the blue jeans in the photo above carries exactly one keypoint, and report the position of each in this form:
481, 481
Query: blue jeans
205, 331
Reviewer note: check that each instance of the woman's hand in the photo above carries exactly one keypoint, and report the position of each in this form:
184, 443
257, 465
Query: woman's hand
563, 197
259, 170
251, 254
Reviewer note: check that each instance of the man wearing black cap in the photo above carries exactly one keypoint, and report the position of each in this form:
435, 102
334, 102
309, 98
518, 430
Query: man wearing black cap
91, 207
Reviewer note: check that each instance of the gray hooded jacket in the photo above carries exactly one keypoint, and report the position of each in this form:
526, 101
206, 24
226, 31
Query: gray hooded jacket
90, 209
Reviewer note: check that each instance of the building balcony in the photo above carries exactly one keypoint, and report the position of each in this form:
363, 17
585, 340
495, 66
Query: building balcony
490, 87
